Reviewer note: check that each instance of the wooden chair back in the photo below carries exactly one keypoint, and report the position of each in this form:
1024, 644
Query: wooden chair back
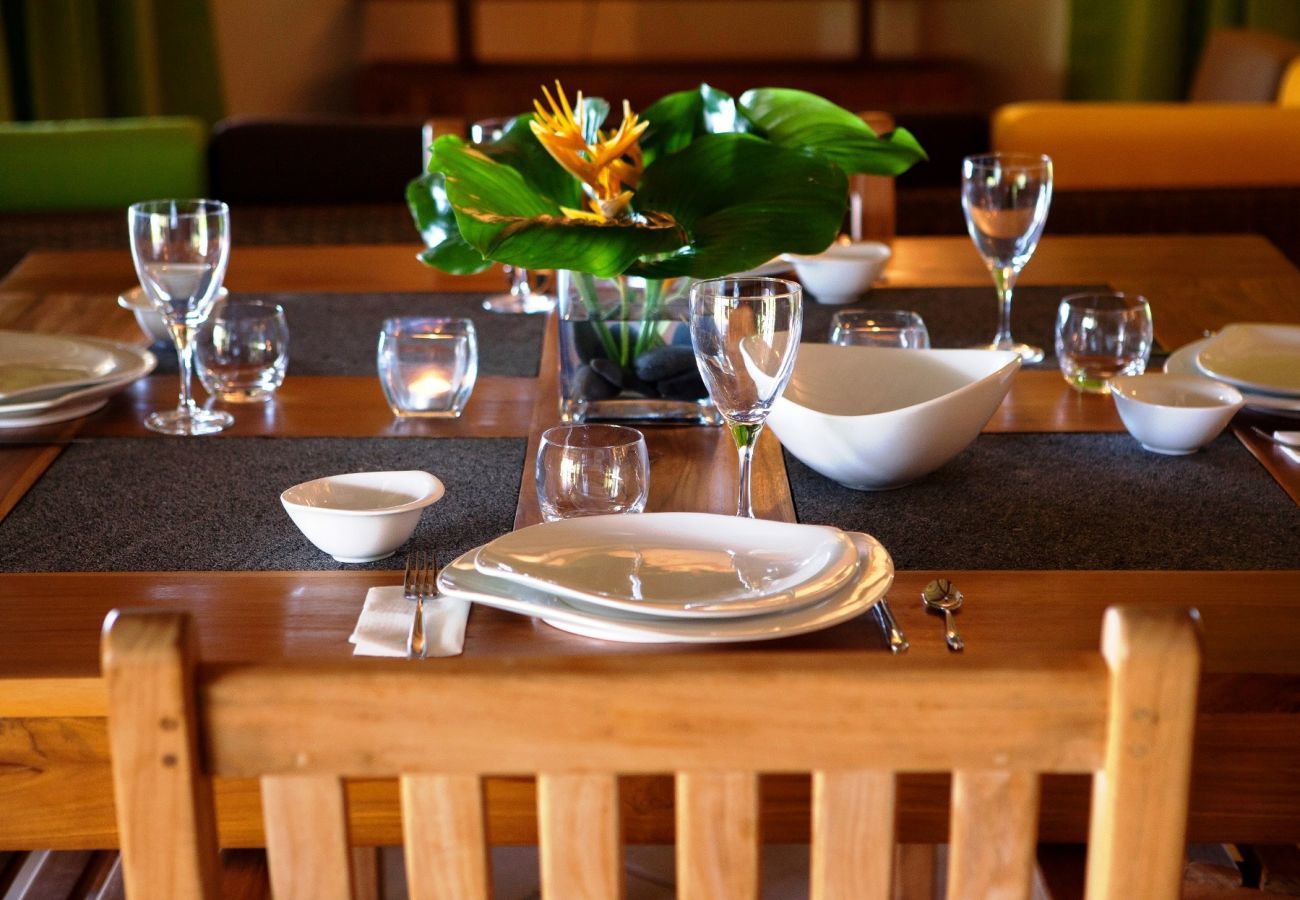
716, 720
873, 211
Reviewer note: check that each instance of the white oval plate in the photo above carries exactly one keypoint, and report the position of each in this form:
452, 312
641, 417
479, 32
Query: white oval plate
1183, 362
1260, 357
37, 368
874, 576
676, 564
50, 416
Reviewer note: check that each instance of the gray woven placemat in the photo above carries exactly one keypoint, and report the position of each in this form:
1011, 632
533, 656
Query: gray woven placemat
336, 334
159, 504
960, 316
1071, 501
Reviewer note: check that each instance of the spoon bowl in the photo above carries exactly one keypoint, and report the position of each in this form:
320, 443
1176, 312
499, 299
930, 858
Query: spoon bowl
941, 596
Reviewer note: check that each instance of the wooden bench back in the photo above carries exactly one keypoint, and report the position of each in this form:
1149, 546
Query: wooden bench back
716, 720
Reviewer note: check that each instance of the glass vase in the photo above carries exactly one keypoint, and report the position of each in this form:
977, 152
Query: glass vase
625, 351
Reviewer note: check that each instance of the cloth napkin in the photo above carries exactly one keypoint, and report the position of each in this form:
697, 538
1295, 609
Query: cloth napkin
385, 621
1292, 437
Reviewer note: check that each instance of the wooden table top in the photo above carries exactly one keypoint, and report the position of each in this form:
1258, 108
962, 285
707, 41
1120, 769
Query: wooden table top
49, 623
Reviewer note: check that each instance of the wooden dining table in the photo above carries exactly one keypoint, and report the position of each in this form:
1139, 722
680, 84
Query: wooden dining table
55, 786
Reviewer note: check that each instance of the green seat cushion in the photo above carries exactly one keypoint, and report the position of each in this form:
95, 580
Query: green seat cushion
100, 163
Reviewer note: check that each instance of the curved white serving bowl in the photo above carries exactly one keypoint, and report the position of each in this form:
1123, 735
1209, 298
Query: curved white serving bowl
841, 272
874, 418
1174, 414
361, 516
151, 321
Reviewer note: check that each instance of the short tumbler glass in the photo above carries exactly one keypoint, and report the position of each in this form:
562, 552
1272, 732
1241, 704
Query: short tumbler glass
242, 350
592, 470
427, 366
1100, 336
879, 328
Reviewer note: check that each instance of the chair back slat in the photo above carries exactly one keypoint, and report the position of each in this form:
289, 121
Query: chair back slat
992, 835
1139, 798
307, 837
581, 843
717, 835
168, 826
873, 204
444, 836
852, 835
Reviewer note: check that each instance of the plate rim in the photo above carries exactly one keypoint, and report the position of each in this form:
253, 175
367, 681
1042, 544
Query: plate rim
1182, 361
144, 362
1238, 382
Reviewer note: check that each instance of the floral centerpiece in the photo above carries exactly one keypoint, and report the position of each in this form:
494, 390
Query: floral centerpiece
696, 186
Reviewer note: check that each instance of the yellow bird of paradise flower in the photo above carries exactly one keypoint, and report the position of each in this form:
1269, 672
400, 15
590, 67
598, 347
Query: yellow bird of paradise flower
609, 169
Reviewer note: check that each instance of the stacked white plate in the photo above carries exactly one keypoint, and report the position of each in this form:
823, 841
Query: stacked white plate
47, 378
1260, 360
676, 577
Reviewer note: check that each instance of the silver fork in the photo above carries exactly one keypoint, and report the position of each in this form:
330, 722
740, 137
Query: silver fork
1291, 445
419, 582
897, 640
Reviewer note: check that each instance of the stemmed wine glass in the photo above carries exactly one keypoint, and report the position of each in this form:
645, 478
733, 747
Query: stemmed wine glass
522, 298
745, 331
180, 249
1005, 197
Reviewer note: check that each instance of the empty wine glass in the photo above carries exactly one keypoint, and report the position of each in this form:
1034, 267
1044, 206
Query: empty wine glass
745, 331
1005, 197
180, 249
522, 297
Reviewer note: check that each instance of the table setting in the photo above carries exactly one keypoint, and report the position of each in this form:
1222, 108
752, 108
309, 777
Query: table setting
1003, 506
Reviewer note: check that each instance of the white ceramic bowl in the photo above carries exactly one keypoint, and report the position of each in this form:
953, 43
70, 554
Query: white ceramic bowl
362, 516
151, 321
1174, 414
841, 272
873, 418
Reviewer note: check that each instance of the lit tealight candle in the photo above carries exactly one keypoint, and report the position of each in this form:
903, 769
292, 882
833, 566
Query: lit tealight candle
430, 390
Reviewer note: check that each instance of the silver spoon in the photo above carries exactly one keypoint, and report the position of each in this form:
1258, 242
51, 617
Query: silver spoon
1291, 445
940, 596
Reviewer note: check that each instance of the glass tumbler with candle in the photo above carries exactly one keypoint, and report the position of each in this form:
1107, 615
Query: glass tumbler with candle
427, 366
591, 470
1100, 336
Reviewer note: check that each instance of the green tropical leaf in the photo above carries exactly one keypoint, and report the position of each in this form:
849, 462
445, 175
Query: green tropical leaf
426, 197
743, 200
791, 118
504, 218
678, 119
519, 149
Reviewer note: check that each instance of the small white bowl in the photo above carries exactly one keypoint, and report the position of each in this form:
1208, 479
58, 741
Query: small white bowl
151, 321
841, 272
874, 418
1174, 414
361, 516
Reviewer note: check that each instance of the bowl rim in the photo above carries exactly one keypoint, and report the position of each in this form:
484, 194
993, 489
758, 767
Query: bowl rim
1235, 399
135, 299
879, 251
435, 491
1015, 361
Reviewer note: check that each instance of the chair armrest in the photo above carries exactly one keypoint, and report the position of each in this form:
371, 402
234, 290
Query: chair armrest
1097, 146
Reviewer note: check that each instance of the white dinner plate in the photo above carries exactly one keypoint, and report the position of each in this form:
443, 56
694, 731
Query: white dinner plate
676, 564
50, 416
1183, 362
37, 368
874, 575
1258, 357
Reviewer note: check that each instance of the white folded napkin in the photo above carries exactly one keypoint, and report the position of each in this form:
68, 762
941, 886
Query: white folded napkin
385, 621
1292, 437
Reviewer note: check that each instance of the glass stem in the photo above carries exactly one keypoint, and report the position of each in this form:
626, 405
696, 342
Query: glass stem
745, 437
182, 335
1004, 279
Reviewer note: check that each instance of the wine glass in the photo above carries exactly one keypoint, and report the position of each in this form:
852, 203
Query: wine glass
745, 331
1005, 197
180, 249
522, 298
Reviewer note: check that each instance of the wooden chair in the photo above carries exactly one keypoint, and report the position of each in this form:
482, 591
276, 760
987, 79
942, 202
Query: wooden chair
716, 720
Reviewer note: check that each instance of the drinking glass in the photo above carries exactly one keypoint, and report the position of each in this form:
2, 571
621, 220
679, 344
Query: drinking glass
1100, 336
745, 331
591, 470
1005, 197
522, 298
180, 249
879, 328
242, 350
427, 366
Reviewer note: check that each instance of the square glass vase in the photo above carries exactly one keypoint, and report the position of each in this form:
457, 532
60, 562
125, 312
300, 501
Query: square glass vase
625, 352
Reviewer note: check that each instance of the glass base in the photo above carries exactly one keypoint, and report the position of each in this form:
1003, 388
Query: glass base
527, 304
637, 409
188, 422
1028, 352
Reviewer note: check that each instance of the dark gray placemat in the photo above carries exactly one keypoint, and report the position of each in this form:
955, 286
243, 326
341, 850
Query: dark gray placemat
1071, 501
960, 316
336, 334
158, 504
